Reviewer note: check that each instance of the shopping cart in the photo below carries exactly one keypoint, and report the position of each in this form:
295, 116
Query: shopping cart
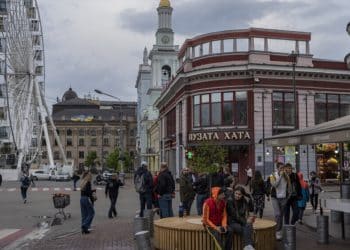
60, 201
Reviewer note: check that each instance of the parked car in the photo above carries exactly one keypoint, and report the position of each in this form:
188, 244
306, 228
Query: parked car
40, 175
61, 176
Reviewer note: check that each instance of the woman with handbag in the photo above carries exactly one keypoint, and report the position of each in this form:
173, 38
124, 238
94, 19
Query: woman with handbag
88, 196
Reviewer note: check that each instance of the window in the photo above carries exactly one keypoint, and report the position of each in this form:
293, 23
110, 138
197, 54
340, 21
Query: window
69, 154
3, 132
69, 142
81, 132
2, 27
216, 109
3, 6
44, 155
105, 142
81, 142
56, 155
81, 154
69, 132
93, 142
93, 132
331, 106
283, 109
43, 142
2, 113
34, 142
171, 124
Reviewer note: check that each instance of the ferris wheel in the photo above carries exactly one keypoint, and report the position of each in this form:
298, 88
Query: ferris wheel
24, 75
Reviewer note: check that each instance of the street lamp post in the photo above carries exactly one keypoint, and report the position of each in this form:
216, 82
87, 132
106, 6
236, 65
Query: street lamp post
120, 124
294, 57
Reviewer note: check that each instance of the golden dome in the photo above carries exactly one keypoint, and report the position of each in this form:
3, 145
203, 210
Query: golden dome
164, 3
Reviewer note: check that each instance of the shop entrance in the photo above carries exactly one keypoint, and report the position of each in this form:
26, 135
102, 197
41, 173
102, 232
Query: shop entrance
238, 159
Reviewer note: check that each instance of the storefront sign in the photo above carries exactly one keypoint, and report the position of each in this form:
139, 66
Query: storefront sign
219, 136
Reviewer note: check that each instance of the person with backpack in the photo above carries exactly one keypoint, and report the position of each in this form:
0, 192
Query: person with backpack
143, 182
305, 196
25, 183
112, 190
294, 195
166, 191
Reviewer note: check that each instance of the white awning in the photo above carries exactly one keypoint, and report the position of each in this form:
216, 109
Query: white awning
337, 130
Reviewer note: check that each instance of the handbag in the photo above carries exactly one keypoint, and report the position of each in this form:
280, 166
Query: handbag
94, 196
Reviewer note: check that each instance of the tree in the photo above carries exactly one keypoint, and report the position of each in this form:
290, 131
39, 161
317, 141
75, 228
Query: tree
127, 162
112, 160
91, 158
207, 158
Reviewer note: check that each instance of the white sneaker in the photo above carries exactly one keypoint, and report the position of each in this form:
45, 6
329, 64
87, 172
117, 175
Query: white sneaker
249, 247
279, 235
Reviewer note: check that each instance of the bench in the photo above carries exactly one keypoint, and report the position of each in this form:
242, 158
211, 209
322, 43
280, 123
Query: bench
188, 233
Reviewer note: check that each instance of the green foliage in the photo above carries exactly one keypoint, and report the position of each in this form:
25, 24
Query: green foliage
112, 160
91, 159
127, 162
207, 158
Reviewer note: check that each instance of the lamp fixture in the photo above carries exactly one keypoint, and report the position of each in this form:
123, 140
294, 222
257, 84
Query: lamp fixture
267, 152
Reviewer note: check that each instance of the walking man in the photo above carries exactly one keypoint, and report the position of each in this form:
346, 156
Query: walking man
249, 172
166, 191
143, 182
112, 189
25, 183
187, 193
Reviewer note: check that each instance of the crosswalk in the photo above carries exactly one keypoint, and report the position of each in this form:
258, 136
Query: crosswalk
43, 189
8, 236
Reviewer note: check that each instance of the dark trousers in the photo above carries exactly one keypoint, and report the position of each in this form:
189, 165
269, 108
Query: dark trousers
291, 204
314, 200
246, 231
199, 202
165, 206
87, 212
75, 184
112, 210
301, 213
145, 199
24, 192
222, 241
187, 206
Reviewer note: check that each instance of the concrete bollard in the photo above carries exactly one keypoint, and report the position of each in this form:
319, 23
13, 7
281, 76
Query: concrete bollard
335, 216
149, 214
143, 241
289, 237
322, 229
140, 224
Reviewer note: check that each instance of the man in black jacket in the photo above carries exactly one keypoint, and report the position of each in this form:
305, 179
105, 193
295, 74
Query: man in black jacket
166, 191
294, 196
112, 189
201, 187
146, 188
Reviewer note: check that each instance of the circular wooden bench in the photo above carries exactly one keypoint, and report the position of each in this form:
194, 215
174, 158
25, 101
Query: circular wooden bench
188, 233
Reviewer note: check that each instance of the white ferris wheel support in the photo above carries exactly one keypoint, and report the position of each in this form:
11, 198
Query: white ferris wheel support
24, 68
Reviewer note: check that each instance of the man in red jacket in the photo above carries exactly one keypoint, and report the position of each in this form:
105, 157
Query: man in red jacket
215, 219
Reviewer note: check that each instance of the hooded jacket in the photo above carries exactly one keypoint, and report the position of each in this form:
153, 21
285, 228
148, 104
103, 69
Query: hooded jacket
214, 210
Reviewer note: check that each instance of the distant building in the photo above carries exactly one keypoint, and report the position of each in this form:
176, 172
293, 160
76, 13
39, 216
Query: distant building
153, 77
86, 125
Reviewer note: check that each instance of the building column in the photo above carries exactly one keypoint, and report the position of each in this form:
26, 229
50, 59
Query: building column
234, 45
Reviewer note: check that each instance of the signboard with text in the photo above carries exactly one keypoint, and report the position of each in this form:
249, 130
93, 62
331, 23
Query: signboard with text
242, 135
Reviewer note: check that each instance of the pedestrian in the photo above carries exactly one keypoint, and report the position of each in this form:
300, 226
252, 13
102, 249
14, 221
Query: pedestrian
25, 183
217, 178
86, 203
305, 196
112, 190
239, 219
201, 187
279, 188
0, 179
315, 189
249, 173
293, 196
32, 180
155, 200
215, 219
187, 193
166, 191
258, 193
228, 177
143, 182
75, 179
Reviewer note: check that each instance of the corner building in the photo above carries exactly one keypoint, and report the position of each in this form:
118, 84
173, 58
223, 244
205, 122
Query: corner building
235, 88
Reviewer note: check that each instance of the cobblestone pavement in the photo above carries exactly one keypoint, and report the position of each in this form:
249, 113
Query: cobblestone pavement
113, 234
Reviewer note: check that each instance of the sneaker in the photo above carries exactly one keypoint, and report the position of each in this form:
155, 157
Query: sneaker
25, 201
279, 235
249, 247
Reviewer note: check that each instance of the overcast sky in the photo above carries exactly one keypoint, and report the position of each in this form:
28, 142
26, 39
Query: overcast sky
93, 44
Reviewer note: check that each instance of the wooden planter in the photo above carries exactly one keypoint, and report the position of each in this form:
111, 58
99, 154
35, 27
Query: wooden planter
188, 233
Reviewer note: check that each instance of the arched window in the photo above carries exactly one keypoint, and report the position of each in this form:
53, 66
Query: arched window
166, 74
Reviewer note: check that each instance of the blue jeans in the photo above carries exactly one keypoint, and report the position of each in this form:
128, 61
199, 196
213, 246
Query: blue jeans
165, 206
87, 212
291, 204
145, 199
199, 203
246, 231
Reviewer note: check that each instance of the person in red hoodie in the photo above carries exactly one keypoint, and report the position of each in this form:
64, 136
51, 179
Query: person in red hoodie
215, 219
